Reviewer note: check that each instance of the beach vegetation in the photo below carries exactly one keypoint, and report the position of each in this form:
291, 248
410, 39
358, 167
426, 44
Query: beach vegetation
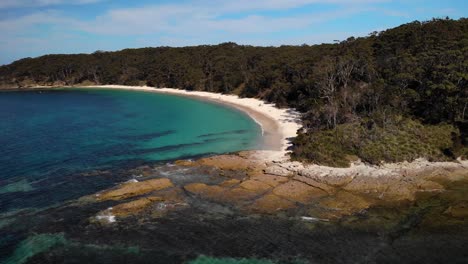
394, 95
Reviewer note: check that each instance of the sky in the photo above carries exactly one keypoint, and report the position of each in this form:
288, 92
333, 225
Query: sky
31, 28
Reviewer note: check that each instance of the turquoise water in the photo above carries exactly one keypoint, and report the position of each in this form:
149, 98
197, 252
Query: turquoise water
59, 145
47, 137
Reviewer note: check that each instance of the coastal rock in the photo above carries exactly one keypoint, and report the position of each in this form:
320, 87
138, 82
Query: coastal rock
277, 170
344, 203
159, 204
229, 183
173, 195
429, 186
264, 155
133, 207
336, 180
239, 195
446, 174
401, 191
459, 210
298, 192
131, 189
229, 162
292, 166
247, 190
255, 186
271, 180
184, 163
271, 203
314, 183
373, 186
212, 192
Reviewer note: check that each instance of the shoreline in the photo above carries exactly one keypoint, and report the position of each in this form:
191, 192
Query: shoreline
282, 124
268, 182
278, 125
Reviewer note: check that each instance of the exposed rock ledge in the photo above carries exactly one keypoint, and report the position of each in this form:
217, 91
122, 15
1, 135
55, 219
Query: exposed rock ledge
248, 183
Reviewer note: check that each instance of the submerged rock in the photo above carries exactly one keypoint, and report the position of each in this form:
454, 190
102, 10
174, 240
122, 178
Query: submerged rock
271, 203
155, 205
212, 192
459, 210
343, 203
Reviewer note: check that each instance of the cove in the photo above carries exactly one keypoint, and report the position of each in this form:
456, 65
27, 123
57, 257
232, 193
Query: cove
48, 137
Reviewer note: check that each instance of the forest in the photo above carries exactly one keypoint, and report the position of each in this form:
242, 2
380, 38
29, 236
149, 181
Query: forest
395, 95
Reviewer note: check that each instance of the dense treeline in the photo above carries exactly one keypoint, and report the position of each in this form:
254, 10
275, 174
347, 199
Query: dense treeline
395, 95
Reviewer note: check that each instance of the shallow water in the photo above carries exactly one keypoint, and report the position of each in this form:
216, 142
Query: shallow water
47, 136
50, 139
40, 222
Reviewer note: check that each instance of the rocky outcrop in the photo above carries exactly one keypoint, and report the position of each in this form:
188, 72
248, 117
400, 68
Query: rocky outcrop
211, 192
132, 207
459, 210
298, 192
131, 189
342, 204
278, 171
245, 191
271, 203
252, 185
271, 180
230, 162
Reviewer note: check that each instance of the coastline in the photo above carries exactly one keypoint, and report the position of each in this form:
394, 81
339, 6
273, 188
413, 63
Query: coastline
238, 190
279, 183
278, 125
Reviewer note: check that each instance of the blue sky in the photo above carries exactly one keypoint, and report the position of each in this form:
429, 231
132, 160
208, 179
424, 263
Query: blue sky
30, 28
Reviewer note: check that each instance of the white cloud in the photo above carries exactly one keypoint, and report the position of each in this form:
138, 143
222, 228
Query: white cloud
39, 3
190, 20
27, 22
249, 5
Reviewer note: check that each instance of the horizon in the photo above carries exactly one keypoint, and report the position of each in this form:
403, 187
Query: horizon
33, 28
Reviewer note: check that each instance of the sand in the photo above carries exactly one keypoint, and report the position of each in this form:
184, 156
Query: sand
279, 125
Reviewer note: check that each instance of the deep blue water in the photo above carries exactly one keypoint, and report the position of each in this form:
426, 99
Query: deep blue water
48, 137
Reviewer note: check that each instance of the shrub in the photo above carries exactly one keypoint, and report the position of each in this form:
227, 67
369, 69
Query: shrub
400, 140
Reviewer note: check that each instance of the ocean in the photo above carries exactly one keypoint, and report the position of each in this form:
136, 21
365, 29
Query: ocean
58, 148
49, 139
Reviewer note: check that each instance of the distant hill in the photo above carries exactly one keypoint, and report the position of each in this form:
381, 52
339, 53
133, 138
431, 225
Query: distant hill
395, 95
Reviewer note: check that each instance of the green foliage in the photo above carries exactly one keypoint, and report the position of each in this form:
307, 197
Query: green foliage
417, 71
400, 140
408, 140
322, 147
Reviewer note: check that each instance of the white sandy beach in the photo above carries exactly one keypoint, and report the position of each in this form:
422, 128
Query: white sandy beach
278, 125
